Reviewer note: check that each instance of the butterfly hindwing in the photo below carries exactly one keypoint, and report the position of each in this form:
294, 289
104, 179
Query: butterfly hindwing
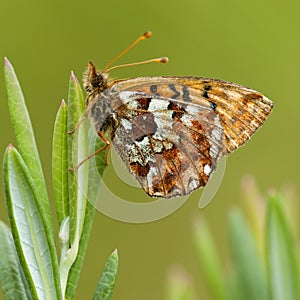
170, 146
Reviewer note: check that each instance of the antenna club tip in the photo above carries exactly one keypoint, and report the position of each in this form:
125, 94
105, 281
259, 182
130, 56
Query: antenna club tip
147, 34
164, 60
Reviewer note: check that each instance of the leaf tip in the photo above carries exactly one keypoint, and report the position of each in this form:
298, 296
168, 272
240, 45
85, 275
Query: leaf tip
7, 63
73, 77
10, 147
63, 103
197, 223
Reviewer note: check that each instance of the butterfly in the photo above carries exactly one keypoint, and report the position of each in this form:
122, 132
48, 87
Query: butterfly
170, 131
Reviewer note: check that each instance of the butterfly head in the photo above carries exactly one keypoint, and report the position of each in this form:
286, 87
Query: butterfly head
93, 80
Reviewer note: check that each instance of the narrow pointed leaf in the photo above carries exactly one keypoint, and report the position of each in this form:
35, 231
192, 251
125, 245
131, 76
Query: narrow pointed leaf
76, 197
28, 150
13, 282
24, 134
28, 228
107, 280
282, 263
250, 279
77, 151
81, 211
60, 164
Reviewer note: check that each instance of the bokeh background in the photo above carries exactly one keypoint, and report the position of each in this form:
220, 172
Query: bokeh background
255, 43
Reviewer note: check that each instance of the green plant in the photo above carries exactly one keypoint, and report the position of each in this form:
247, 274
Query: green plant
29, 266
264, 264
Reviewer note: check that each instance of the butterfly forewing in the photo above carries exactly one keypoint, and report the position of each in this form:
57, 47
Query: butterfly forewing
170, 131
242, 110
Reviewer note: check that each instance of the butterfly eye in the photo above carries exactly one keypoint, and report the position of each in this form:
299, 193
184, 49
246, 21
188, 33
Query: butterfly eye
97, 80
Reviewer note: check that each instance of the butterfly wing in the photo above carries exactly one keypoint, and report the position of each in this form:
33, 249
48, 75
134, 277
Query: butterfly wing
170, 131
170, 150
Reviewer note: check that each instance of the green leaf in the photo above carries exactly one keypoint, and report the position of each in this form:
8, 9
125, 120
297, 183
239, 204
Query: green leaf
209, 261
77, 151
107, 280
250, 279
282, 263
25, 136
81, 211
12, 278
74, 273
26, 143
60, 164
28, 228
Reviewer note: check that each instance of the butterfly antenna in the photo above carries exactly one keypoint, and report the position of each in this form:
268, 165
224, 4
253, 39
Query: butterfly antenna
146, 35
158, 60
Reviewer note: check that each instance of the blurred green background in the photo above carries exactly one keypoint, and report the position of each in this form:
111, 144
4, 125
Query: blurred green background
254, 43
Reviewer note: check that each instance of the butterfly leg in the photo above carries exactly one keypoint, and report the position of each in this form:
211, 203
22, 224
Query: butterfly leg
106, 147
80, 121
78, 124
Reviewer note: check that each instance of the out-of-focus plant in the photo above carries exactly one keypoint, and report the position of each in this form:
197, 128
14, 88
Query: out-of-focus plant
262, 241
29, 265
180, 285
